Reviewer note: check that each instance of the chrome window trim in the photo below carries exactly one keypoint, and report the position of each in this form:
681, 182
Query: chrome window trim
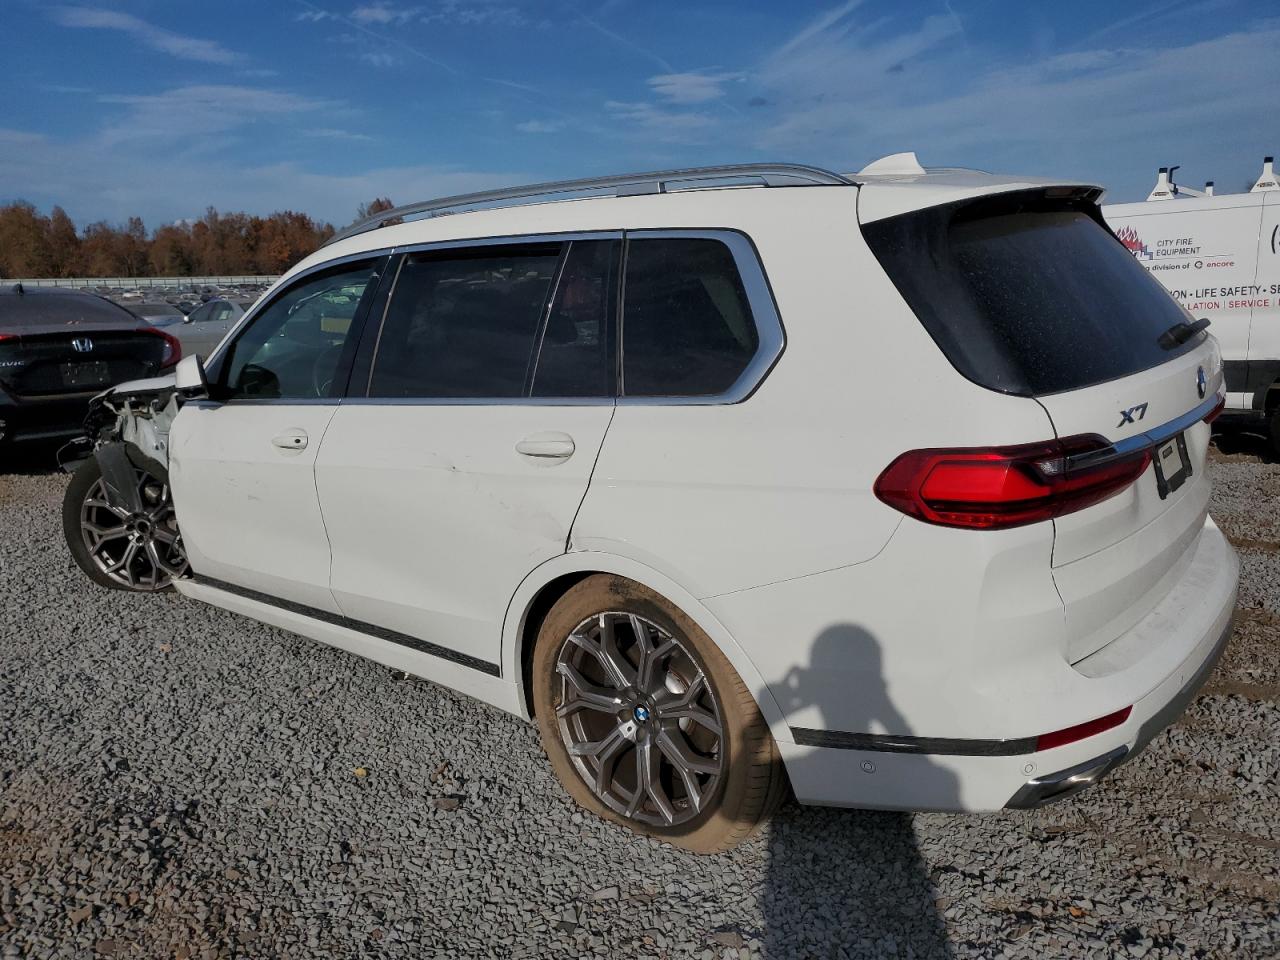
764, 314
755, 283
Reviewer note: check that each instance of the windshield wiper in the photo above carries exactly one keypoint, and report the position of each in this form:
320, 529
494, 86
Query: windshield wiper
1180, 333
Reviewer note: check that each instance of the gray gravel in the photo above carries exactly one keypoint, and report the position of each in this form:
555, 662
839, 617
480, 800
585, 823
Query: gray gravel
176, 781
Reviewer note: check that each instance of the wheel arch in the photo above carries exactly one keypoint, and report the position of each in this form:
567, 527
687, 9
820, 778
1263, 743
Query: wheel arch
539, 591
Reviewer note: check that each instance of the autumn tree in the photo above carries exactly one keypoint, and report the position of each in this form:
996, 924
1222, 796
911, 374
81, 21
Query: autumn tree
32, 245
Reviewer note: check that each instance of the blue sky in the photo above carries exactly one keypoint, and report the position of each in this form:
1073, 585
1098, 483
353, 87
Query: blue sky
161, 108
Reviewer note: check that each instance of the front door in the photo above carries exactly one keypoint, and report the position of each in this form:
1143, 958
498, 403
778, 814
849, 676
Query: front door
242, 464
459, 465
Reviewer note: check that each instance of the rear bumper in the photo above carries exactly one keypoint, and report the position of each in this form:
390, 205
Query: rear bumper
1058, 786
45, 418
1155, 668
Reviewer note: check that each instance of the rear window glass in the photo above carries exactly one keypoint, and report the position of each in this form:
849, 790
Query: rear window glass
33, 309
1025, 295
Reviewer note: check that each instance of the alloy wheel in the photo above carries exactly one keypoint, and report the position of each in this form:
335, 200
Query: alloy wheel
639, 719
140, 551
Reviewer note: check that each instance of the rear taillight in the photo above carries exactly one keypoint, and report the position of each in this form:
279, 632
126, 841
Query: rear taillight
1218, 407
172, 347
997, 487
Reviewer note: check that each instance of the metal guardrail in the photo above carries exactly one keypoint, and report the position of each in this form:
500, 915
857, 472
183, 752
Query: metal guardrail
130, 283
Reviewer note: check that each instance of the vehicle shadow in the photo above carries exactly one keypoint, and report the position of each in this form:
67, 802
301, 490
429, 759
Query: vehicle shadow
843, 882
32, 458
1243, 439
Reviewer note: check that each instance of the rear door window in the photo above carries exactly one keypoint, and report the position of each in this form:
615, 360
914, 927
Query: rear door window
687, 328
574, 354
463, 323
1026, 295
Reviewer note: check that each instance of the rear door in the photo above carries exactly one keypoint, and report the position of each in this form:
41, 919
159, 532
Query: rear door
242, 464
460, 459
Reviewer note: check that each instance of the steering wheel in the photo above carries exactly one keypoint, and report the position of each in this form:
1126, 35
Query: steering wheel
323, 369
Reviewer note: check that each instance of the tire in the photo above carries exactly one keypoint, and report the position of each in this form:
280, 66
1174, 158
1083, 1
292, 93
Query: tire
83, 502
651, 715
1273, 431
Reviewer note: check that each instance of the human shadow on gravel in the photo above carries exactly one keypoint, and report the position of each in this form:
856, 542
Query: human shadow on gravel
843, 882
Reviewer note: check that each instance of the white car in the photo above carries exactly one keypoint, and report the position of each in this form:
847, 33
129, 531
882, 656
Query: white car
641, 466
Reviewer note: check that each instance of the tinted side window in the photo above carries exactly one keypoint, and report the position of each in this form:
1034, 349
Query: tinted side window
462, 323
687, 328
293, 348
574, 353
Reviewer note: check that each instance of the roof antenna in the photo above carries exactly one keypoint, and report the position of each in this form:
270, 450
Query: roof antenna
1268, 179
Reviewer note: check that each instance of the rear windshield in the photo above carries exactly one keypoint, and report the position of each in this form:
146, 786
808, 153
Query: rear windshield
1025, 295
36, 309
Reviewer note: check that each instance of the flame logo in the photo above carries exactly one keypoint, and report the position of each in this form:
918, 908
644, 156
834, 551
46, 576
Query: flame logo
1129, 237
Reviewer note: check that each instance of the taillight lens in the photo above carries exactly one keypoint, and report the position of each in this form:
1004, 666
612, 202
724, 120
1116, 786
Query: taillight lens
1218, 407
172, 346
997, 487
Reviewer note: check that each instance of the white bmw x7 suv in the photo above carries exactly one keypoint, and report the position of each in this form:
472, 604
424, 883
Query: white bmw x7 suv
889, 487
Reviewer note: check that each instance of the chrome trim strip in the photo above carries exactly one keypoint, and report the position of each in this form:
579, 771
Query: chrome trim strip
1147, 439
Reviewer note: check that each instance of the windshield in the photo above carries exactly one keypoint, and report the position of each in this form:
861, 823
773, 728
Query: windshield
1025, 295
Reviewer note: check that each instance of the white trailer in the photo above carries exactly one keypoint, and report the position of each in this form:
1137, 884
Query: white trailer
1219, 255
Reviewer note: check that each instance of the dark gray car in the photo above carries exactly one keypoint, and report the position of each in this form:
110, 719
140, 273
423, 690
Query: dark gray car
58, 348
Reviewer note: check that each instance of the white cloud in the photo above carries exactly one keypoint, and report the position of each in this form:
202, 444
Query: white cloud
333, 133
193, 111
695, 87
668, 125
158, 38
540, 126
164, 187
383, 14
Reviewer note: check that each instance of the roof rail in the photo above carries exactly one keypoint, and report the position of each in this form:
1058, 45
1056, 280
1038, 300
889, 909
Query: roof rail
625, 185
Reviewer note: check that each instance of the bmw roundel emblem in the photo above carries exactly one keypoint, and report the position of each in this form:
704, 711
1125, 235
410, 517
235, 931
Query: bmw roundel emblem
1202, 382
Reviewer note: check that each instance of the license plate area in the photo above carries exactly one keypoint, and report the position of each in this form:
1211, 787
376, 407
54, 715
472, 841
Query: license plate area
95, 373
1173, 465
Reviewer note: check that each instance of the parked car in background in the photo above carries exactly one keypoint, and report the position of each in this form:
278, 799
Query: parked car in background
60, 347
641, 466
202, 328
157, 314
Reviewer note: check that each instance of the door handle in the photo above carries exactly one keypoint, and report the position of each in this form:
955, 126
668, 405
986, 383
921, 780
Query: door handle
291, 439
546, 446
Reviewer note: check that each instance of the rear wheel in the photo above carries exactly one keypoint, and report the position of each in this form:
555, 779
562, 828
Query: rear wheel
646, 723
141, 552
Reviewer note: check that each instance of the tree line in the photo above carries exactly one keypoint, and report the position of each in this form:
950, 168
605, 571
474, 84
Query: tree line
35, 245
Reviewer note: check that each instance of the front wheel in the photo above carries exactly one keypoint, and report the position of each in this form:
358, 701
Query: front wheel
646, 723
141, 552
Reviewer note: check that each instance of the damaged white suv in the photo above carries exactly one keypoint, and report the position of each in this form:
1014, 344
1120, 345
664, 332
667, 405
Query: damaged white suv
890, 487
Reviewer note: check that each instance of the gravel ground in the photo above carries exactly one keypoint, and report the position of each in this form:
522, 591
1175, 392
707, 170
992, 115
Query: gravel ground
176, 781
